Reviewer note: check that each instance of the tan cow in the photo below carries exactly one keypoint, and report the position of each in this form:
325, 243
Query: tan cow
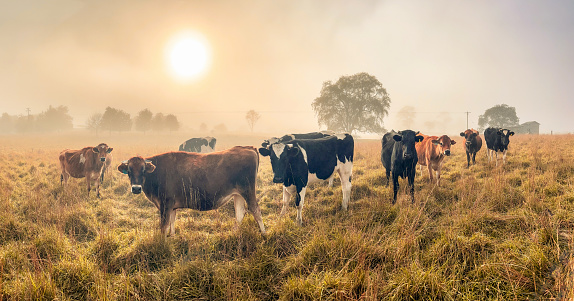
88, 162
432, 151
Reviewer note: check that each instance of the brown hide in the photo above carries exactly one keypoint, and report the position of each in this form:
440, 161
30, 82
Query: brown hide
432, 155
198, 181
84, 163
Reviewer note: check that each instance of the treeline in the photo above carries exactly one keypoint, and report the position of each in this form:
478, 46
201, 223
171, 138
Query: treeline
56, 119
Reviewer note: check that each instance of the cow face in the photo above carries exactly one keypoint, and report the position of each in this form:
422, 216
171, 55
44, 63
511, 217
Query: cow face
505, 138
408, 139
444, 143
469, 137
280, 154
136, 168
102, 150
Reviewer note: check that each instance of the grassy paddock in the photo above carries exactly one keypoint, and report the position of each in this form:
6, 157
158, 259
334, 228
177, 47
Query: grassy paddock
488, 233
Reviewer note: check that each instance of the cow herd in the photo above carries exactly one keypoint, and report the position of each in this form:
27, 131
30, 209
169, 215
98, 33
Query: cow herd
198, 178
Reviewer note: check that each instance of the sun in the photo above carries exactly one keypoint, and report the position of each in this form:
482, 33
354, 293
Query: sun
188, 56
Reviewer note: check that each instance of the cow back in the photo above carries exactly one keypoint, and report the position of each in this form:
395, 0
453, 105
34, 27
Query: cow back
491, 137
321, 155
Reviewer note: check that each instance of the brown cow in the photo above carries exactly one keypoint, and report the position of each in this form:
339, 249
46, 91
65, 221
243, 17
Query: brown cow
432, 151
87, 162
198, 181
472, 144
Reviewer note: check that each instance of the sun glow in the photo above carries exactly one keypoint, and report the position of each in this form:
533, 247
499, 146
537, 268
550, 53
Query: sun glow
187, 56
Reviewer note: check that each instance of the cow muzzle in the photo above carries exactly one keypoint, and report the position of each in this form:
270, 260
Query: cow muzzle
447, 152
277, 180
136, 189
103, 159
407, 156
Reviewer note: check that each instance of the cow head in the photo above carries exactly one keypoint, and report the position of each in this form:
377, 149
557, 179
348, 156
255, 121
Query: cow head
505, 138
102, 150
408, 139
268, 142
469, 137
280, 154
136, 168
444, 142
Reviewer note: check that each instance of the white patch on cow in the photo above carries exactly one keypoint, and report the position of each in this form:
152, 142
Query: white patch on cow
341, 136
304, 152
287, 192
345, 173
278, 149
205, 149
273, 140
300, 207
82, 159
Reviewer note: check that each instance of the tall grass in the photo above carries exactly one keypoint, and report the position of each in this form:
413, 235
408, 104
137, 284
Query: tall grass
487, 233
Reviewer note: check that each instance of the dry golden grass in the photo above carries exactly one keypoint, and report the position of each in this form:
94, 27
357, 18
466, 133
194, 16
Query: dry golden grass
488, 233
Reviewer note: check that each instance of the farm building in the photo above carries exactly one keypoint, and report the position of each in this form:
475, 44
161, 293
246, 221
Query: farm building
530, 127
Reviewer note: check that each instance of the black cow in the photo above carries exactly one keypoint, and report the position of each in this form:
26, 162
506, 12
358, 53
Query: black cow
399, 157
300, 162
472, 144
497, 141
199, 145
289, 137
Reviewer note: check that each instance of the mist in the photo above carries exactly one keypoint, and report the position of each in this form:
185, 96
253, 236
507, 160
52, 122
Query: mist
442, 58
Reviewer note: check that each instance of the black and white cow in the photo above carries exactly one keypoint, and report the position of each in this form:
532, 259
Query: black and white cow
497, 141
301, 162
199, 145
399, 157
289, 137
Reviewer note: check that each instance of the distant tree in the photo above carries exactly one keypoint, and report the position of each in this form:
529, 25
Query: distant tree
203, 127
94, 122
54, 119
158, 122
354, 103
24, 124
143, 120
116, 120
498, 116
407, 115
7, 123
171, 123
220, 128
252, 118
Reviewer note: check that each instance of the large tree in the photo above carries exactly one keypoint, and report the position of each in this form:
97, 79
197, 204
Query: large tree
116, 120
172, 123
94, 122
252, 118
354, 103
498, 116
143, 120
54, 119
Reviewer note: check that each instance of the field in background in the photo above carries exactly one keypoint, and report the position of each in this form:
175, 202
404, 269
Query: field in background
488, 233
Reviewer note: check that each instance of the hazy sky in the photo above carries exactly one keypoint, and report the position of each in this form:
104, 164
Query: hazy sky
273, 56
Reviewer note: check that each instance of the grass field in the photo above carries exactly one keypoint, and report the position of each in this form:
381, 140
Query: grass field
488, 233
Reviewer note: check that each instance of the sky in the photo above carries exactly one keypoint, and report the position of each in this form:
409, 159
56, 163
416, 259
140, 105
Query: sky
443, 58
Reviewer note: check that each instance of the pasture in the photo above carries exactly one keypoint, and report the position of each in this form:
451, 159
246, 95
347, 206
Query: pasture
487, 233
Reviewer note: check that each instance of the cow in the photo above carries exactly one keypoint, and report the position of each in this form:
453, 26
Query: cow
399, 157
199, 145
431, 153
176, 180
109, 160
289, 137
497, 141
88, 162
301, 162
472, 144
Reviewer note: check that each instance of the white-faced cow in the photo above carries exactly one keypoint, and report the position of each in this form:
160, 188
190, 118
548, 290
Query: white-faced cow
399, 157
301, 162
199, 145
472, 144
88, 162
431, 152
202, 182
497, 141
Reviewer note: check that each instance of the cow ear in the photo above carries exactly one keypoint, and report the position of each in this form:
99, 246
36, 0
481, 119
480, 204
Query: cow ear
293, 151
511, 133
95, 150
123, 168
452, 141
435, 142
264, 152
398, 137
419, 138
462, 134
110, 149
149, 167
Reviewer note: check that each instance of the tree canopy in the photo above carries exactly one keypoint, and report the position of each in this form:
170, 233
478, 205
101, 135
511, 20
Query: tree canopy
498, 116
143, 120
354, 103
116, 120
252, 118
54, 119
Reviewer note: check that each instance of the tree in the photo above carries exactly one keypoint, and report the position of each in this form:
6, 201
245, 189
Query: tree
171, 122
498, 116
407, 115
94, 122
143, 120
116, 120
7, 123
354, 103
252, 118
158, 123
54, 119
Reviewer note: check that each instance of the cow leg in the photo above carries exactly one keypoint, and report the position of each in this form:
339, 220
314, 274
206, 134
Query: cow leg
286, 198
331, 179
172, 215
468, 160
395, 187
431, 178
239, 205
496, 159
388, 173
89, 182
300, 201
411, 179
473, 158
504, 156
167, 220
253, 207
346, 174
438, 175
